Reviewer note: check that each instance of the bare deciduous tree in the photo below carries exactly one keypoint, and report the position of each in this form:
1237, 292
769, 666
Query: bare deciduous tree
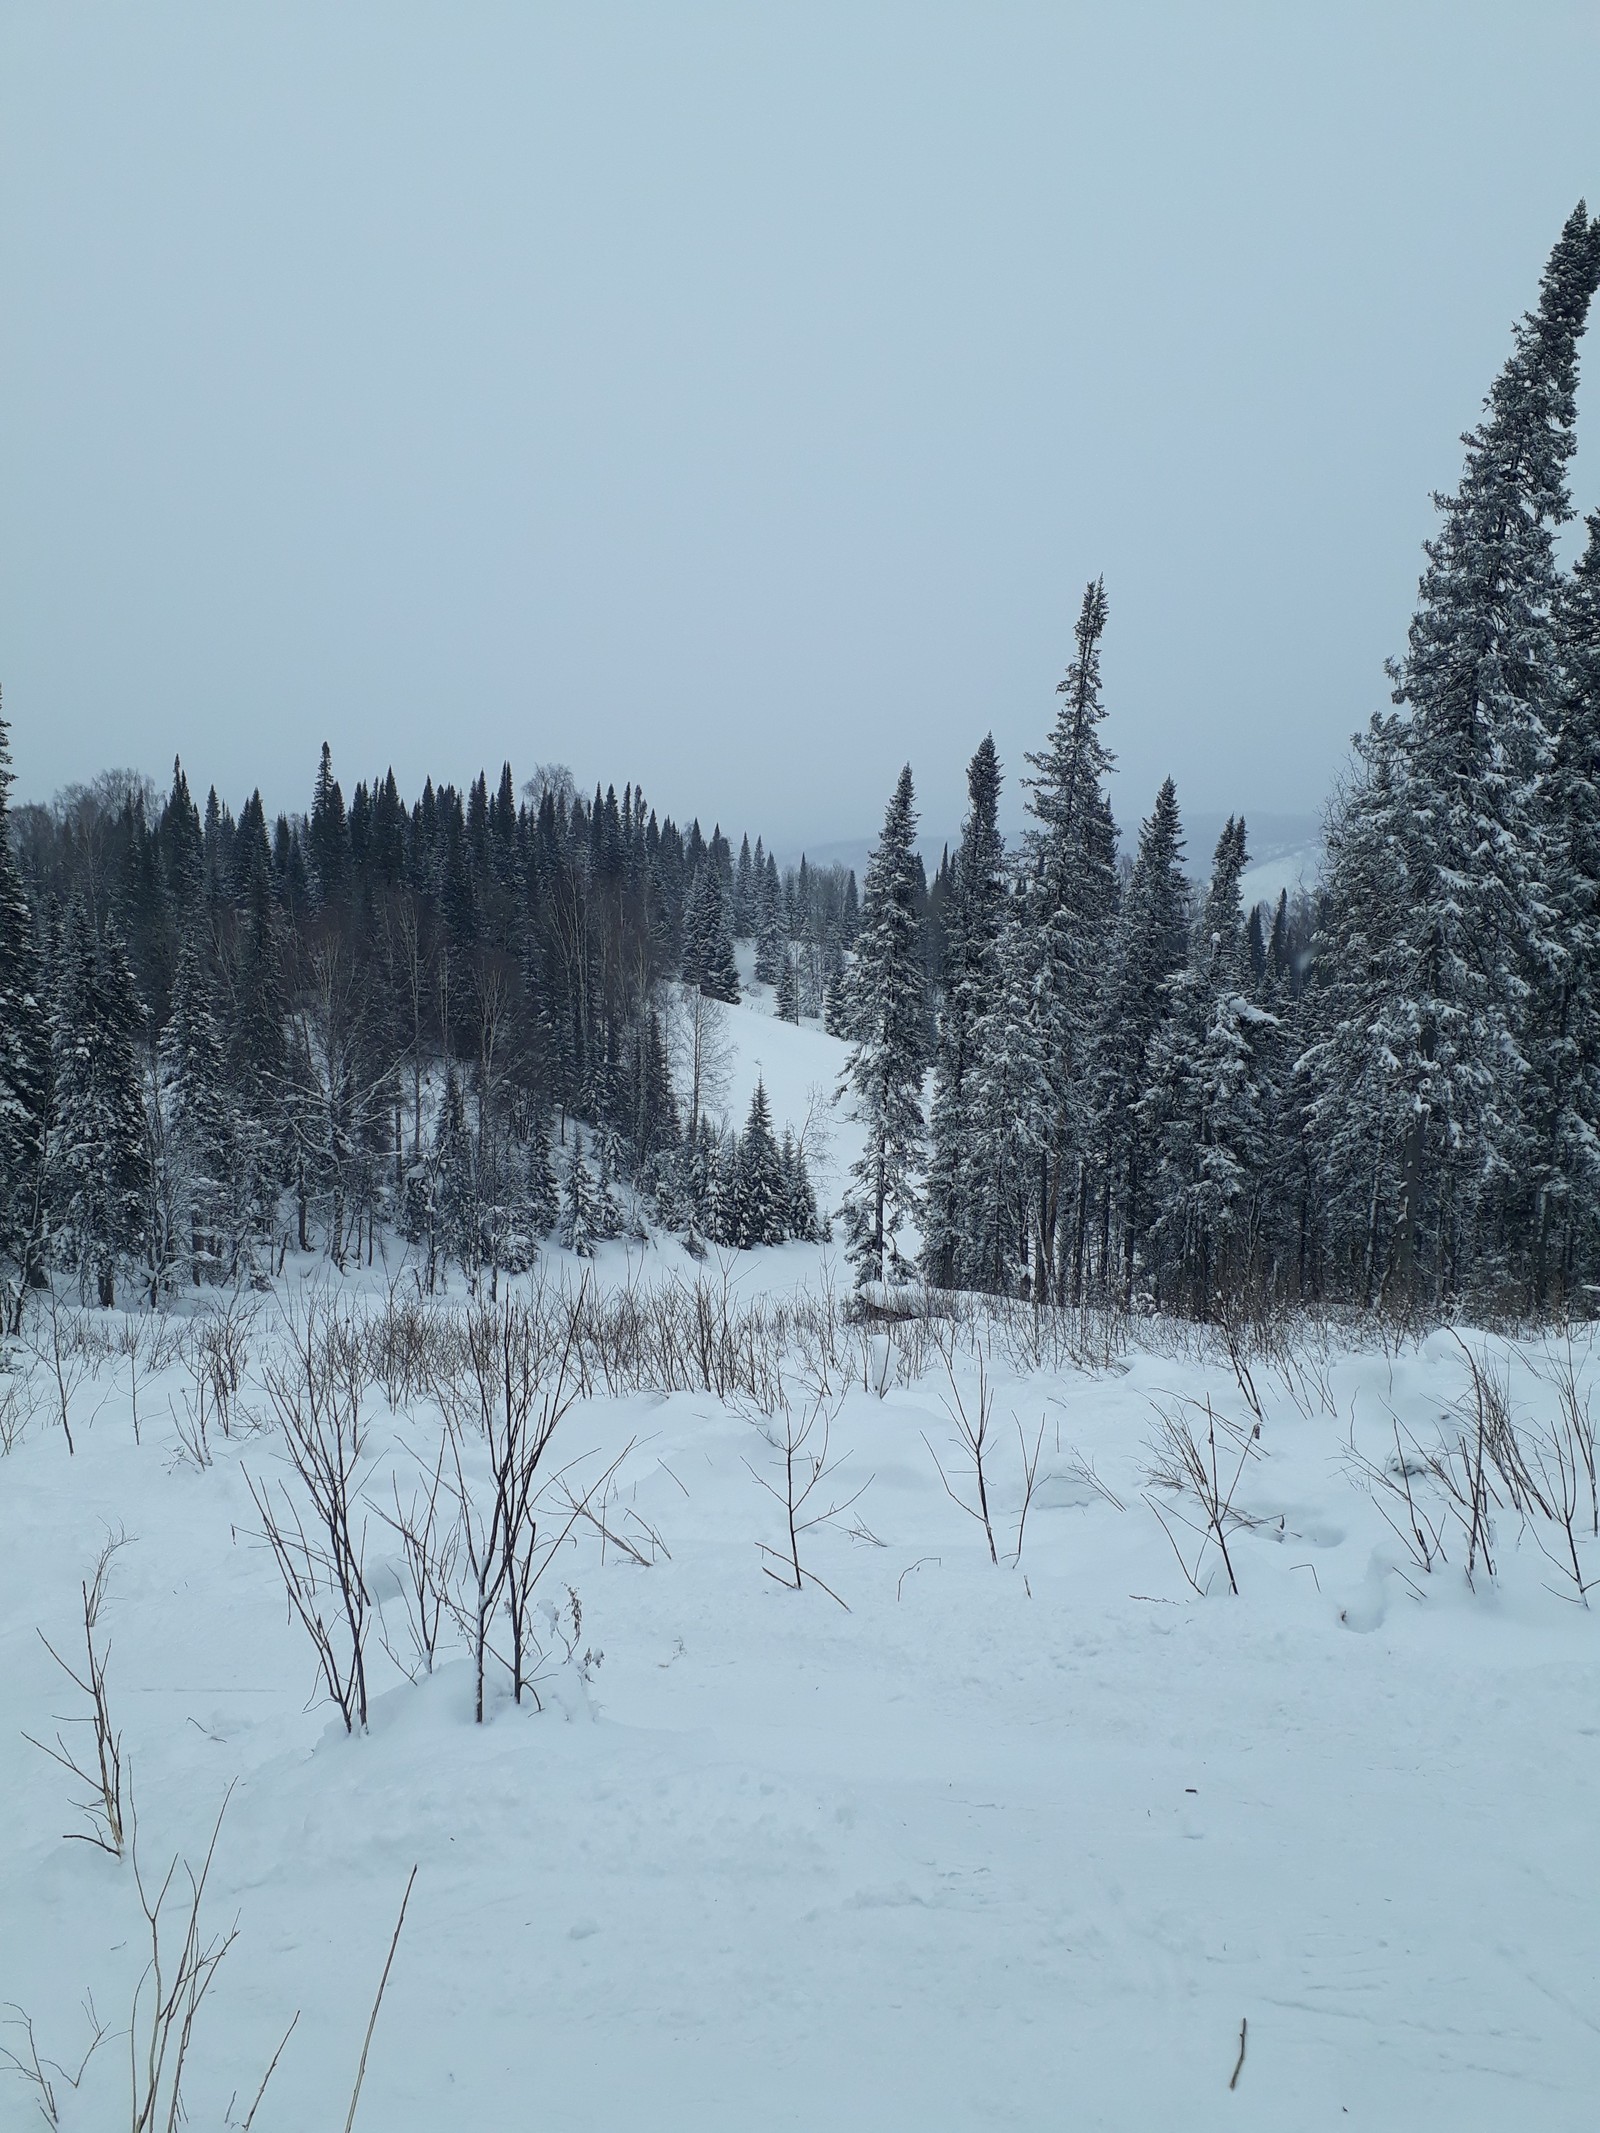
1190, 1465
101, 1805
161, 2027
802, 1441
428, 1550
972, 1439
37, 2071
317, 1403
511, 1401
55, 1338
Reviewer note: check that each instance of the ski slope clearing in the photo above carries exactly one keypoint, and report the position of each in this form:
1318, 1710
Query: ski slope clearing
936, 1840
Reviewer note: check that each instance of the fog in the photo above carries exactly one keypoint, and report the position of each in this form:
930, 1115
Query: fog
738, 399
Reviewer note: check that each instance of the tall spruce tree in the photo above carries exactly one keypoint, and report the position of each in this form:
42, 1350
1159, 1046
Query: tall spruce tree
1476, 933
1151, 948
758, 1182
1207, 1107
195, 1113
771, 930
99, 1128
1566, 1049
24, 1069
786, 1000
1072, 872
1009, 1113
708, 958
974, 908
888, 1019
328, 833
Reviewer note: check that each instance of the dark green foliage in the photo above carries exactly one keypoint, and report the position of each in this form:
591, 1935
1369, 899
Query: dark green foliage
24, 1068
887, 1013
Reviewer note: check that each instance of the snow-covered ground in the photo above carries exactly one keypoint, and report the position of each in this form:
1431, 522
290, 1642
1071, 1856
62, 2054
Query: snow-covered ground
969, 1845
1293, 871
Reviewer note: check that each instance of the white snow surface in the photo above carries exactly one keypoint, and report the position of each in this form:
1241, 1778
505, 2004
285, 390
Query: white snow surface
1015, 1845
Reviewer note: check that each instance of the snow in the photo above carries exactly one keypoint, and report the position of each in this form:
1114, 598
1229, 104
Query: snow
999, 1846
1294, 870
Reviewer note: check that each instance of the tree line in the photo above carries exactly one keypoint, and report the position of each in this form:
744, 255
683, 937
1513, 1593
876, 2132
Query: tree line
482, 1019
488, 1017
1387, 1097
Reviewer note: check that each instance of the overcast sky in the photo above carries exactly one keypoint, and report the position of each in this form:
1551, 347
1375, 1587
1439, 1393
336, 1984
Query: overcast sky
737, 399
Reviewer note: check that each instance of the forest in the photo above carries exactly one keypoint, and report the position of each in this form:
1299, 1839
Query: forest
489, 1018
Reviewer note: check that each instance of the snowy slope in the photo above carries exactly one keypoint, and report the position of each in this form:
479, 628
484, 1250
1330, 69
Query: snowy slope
1295, 869
1015, 1845
800, 1066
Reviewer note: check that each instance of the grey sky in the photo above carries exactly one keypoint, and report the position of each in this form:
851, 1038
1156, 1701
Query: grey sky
738, 398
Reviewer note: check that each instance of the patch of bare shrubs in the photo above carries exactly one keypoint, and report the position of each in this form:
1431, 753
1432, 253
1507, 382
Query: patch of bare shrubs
1199, 1458
317, 1530
97, 1772
1493, 1463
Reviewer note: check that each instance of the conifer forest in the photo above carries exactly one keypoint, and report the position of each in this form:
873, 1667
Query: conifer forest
799, 1069
481, 1018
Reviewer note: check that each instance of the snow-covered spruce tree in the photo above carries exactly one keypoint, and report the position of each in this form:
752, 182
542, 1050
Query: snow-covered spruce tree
973, 913
696, 1169
581, 1224
1358, 1026
888, 1021
257, 1067
543, 1195
1071, 858
708, 960
771, 929
692, 961
787, 1001
182, 843
194, 1112
800, 1216
1007, 1106
722, 1201
652, 1109
1151, 947
757, 1211
1207, 1109
454, 1214
24, 1070
99, 1131
836, 1001
1477, 941
744, 901
1566, 1022
328, 832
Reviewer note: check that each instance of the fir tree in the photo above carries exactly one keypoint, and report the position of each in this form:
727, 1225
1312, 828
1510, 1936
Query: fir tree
194, 1108
1208, 1106
1008, 1113
708, 958
888, 1019
1480, 678
800, 1216
1565, 1046
1151, 948
328, 834
182, 846
99, 1132
974, 908
1071, 857
744, 906
771, 930
788, 992
758, 1181
581, 1220
24, 1067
